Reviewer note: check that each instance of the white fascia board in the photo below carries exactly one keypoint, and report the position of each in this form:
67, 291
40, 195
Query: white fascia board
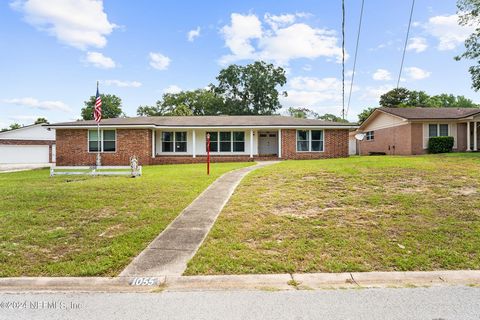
199, 127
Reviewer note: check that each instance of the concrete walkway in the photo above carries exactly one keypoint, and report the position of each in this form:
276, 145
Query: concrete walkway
169, 253
14, 167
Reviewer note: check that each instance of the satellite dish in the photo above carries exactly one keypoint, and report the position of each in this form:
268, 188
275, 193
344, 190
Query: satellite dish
360, 136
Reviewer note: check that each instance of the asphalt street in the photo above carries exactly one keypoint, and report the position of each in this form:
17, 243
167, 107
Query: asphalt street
387, 303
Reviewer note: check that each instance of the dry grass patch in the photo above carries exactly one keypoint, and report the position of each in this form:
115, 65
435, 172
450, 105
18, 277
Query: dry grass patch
356, 214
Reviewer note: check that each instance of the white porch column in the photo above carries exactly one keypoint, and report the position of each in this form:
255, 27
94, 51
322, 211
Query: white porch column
153, 143
251, 143
194, 143
468, 136
279, 143
475, 144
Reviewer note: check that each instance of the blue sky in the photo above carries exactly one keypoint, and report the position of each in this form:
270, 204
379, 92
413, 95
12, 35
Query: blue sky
52, 52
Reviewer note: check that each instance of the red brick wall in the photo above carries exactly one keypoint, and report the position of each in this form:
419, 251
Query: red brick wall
393, 141
31, 143
335, 145
199, 159
417, 139
72, 147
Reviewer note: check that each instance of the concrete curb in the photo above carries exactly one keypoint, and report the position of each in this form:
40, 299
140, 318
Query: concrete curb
263, 282
77, 284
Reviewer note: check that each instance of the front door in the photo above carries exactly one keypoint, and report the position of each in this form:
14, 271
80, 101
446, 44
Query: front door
267, 143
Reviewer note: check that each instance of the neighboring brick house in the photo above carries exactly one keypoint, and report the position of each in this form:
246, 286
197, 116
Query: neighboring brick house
406, 131
162, 140
28, 144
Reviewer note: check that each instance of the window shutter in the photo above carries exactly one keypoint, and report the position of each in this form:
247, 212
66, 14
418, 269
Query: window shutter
425, 135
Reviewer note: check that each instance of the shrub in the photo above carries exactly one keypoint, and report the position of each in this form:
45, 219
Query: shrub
440, 144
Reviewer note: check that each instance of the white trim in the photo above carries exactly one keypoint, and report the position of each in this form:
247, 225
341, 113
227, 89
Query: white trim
279, 143
174, 141
468, 137
194, 142
251, 143
309, 141
475, 142
451, 132
153, 143
101, 141
204, 127
231, 152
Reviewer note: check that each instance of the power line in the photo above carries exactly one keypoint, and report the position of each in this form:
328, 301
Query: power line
355, 59
406, 42
343, 59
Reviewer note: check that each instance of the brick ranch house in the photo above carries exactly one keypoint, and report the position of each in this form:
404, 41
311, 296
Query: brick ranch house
406, 131
162, 140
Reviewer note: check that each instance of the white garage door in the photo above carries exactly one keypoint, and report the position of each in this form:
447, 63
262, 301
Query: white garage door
23, 154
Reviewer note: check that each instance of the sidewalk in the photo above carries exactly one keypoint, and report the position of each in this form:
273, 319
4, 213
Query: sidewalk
169, 253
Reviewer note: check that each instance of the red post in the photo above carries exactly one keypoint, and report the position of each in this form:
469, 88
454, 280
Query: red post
208, 153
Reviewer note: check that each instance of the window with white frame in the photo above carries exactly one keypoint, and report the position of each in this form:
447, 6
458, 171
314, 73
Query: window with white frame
174, 141
310, 140
108, 141
437, 130
370, 135
226, 141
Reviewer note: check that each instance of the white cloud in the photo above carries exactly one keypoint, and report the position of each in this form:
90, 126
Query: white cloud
98, 60
283, 41
192, 34
279, 20
315, 93
22, 118
77, 23
172, 89
418, 44
123, 84
447, 30
159, 61
38, 104
415, 73
382, 75
374, 93
238, 35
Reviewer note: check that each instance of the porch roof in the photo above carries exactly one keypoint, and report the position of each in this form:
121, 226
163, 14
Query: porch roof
205, 122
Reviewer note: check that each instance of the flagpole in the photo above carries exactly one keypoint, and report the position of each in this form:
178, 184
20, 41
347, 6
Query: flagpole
99, 162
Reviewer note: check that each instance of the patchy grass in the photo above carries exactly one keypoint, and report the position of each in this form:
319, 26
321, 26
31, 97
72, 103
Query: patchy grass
357, 214
85, 226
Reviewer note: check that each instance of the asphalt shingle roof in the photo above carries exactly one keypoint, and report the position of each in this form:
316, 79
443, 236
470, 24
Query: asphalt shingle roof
431, 113
205, 121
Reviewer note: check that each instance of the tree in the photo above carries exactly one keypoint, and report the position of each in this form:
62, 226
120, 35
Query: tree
394, 98
251, 89
469, 15
111, 107
185, 103
41, 120
301, 113
331, 117
200, 102
362, 116
404, 98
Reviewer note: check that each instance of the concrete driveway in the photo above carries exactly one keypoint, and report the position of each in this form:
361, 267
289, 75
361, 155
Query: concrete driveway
12, 167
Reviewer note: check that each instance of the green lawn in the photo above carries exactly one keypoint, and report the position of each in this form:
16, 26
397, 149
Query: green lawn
84, 226
356, 214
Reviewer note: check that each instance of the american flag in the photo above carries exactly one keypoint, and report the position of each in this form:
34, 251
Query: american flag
97, 111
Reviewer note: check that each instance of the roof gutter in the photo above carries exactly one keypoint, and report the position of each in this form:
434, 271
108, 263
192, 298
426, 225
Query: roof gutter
202, 127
